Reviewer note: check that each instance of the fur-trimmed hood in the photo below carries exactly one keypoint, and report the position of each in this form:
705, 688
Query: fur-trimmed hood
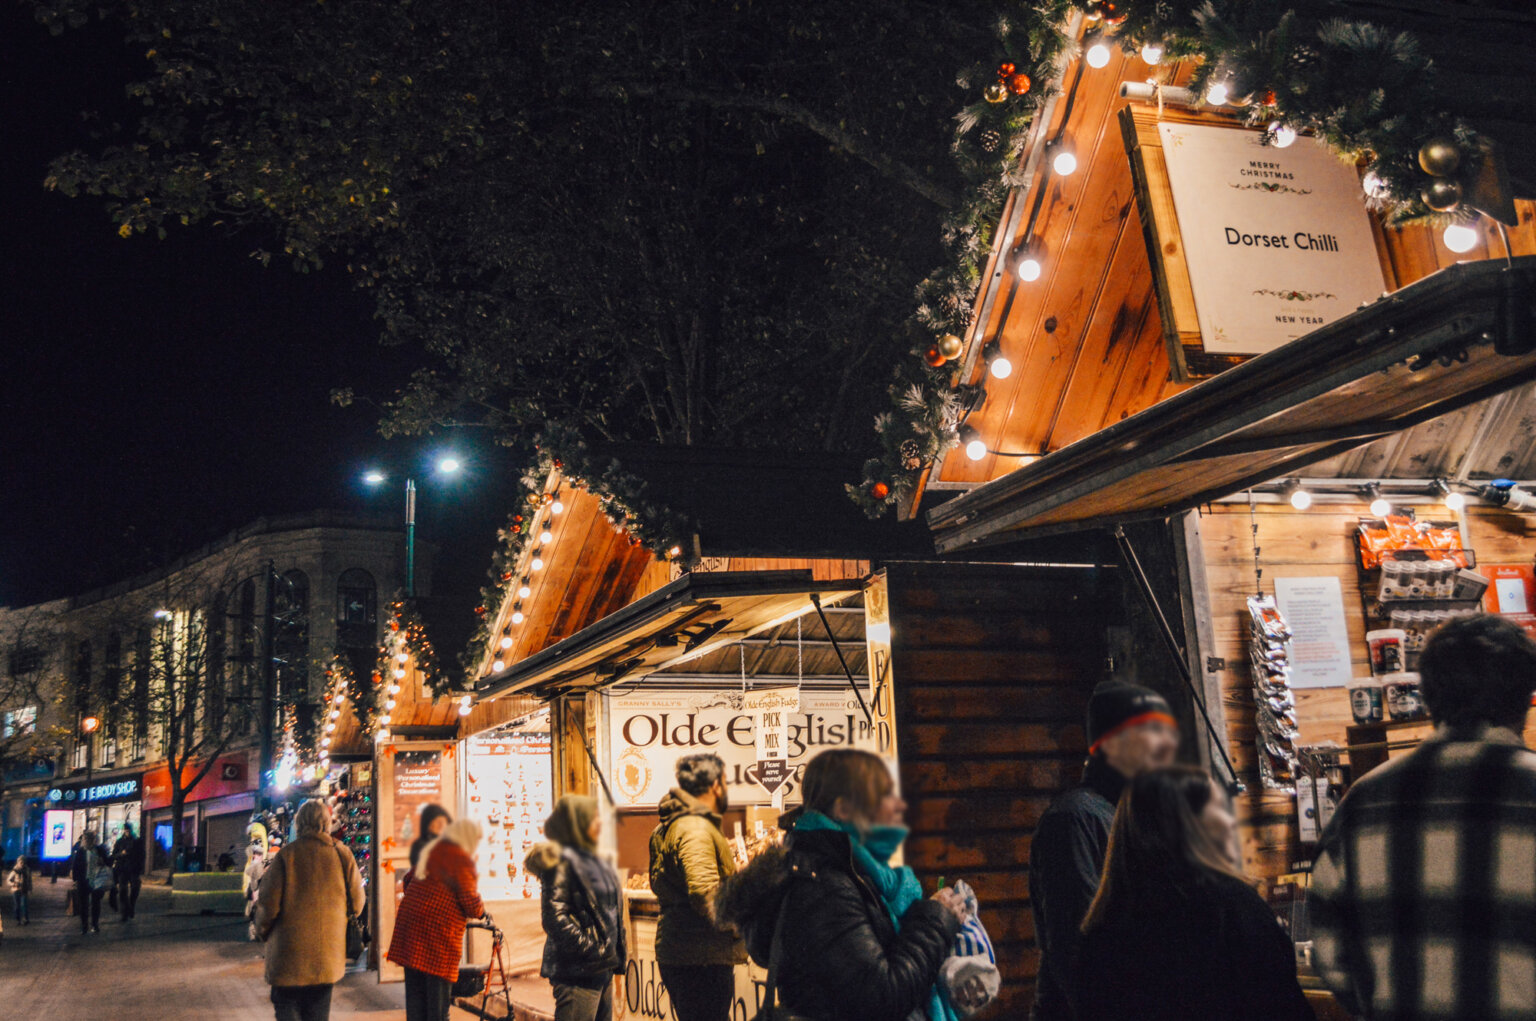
542, 857
749, 900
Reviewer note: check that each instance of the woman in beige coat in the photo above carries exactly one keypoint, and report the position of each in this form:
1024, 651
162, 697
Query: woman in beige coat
301, 914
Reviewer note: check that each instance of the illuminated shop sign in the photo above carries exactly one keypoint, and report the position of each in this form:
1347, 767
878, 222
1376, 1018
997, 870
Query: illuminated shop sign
121, 789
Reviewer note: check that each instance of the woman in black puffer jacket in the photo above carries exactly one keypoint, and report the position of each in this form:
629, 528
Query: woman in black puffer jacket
583, 926
859, 942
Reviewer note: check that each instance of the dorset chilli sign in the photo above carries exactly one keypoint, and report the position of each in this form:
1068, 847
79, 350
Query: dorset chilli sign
649, 731
1277, 241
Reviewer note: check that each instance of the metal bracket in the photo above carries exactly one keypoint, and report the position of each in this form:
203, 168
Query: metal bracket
1215, 664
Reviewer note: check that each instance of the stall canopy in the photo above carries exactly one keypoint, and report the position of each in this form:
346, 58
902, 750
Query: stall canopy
1456, 337
685, 621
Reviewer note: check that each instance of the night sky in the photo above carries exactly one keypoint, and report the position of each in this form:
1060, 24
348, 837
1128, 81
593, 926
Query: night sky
157, 394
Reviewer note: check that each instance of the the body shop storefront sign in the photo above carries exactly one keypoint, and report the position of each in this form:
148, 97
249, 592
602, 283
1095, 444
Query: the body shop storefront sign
650, 730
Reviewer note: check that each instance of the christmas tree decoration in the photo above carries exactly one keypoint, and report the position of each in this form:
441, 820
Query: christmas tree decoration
950, 346
1440, 157
1018, 84
879, 490
995, 92
911, 455
1443, 194
1005, 69
990, 140
934, 357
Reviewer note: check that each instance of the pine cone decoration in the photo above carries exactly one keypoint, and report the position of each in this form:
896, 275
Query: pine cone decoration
911, 455
990, 140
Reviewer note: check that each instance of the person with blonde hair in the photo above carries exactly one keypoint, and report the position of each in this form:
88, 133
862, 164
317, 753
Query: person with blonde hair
1176, 931
847, 934
441, 895
301, 915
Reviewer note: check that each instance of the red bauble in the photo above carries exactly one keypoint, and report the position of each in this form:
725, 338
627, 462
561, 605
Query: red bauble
506, 575
517, 517
516, 529
480, 610
1005, 69
934, 357
1018, 84
1112, 13
557, 464
879, 490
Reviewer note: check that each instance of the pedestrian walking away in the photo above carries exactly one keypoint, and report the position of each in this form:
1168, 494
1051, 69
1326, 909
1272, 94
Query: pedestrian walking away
127, 870
1423, 889
301, 915
19, 881
429, 826
584, 943
441, 894
92, 875
1130, 730
689, 857
843, 933
1176, 931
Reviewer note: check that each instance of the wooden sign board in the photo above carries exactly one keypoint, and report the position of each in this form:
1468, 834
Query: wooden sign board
411, 774
1276, 244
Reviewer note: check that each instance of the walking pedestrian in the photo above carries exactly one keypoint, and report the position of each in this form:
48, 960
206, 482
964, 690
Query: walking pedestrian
301, 915
1422, 891
19, 882
430, 824
127, 870
1176, 930
1130, 730
92, 873
580, 907
441, 894
689, 858
852, 935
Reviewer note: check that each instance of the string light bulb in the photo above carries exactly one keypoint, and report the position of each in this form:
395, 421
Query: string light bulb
1281, 135
1098, 54
1064, 162
1374, 185
523, 591
997, 362
1380, 505
975, 448
498, 666
506, 641
538, 564
1029, 269
1460, 238
545, 537
1217, 94
1152, 53
1299, 498
1455, 501
517, 616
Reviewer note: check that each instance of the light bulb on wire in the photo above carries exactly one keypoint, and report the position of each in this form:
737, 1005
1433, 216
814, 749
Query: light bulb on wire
1064, 163
1282, 135
975, 448
1380, 505
1152, 53
1217, 94
1460, 238
1299, 498
1029, 269
1098, 54
997, 362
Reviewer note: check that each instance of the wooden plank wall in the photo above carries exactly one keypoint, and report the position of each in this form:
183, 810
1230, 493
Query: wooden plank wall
991, 668
1305, 544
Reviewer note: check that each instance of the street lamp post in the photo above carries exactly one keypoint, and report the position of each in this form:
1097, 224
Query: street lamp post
88, 727
448, 465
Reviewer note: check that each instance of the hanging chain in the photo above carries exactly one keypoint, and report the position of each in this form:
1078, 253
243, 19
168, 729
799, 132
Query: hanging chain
1253, 524
799, 652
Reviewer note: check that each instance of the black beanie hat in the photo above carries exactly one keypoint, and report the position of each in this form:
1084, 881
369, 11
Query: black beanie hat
1115, 705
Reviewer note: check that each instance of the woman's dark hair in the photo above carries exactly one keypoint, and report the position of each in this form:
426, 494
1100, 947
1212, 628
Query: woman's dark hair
1157, 842
430, 813
861, 779
1478, 669
696, 774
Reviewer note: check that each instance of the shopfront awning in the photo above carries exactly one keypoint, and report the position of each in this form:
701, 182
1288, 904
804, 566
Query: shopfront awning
1451, 339
693, 616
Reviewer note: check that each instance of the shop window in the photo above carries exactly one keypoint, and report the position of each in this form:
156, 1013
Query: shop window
19, 722
290, 635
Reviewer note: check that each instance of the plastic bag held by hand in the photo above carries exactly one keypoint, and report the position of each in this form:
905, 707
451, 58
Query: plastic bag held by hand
969, 977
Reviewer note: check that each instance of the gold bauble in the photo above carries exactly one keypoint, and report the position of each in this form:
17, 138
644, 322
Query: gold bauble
1442, 194
996, 92
950, 345
1440, 157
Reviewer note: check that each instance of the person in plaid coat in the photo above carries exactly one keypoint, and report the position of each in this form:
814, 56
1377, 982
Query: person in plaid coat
1423, 894
441, 894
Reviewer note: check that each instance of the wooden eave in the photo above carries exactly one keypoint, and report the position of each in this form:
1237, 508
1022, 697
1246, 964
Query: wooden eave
686, 620
1411, 356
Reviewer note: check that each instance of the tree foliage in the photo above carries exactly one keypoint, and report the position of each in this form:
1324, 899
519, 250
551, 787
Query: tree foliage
683, 221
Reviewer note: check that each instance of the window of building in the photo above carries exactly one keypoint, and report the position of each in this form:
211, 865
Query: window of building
79, 756
290, 636
19, 722
82, 677
26, 659
357, 619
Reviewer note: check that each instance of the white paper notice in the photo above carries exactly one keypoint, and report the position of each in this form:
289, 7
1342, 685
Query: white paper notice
1314, 608
1278, 241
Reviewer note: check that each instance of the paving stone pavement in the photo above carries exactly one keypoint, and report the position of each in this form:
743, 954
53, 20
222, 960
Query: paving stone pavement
155, 968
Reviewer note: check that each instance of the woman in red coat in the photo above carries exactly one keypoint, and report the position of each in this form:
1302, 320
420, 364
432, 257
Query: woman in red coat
441, 894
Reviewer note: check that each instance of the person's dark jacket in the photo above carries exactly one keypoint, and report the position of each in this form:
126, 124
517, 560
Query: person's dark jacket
582, 915
127, 858
842, 956
1208, 947
1066, 857
77, 862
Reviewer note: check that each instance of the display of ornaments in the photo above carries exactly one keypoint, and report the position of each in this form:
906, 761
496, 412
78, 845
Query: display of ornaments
1440, 157
934, 357
995, 92
1018, 84
950, 345
879, 490
990, 140
1443, 194
911, 455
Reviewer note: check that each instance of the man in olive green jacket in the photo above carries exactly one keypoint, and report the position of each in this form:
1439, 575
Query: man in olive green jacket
689, 857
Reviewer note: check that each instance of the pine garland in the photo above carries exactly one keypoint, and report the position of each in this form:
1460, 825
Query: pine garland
408, 629
988, 146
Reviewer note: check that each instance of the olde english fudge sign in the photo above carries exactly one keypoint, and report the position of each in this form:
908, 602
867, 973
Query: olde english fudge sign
1277, 241
649, 730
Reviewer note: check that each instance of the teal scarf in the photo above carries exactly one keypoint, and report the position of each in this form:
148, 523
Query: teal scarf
898, 887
